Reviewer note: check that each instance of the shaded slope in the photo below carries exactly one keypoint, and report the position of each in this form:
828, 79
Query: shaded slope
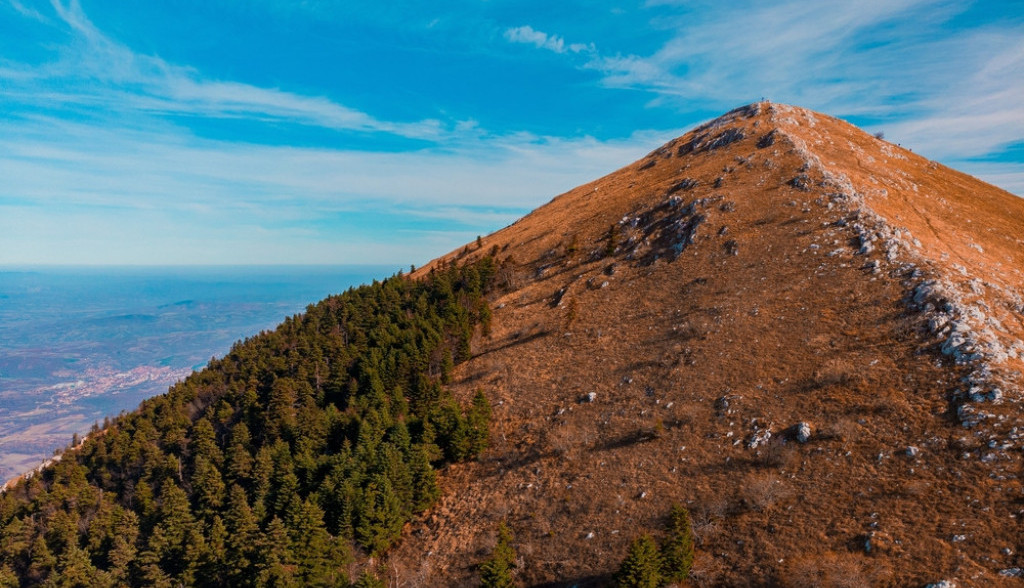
771, 268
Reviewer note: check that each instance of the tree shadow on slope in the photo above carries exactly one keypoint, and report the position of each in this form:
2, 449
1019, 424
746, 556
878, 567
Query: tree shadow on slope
581, 582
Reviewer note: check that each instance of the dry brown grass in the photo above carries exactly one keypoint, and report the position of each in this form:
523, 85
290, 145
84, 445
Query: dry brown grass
832, 570
790, 331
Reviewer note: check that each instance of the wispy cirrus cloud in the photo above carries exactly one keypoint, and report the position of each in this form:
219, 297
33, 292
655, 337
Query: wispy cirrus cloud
150, 187
907, 67
530, 36
97, 71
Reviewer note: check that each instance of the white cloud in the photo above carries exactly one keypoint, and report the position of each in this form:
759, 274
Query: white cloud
96, 70
948, 90
530, 36
26, 11
148, 187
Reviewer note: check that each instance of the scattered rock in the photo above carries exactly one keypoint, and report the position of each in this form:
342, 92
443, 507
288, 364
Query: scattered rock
767, 140
803, 432
1012, 573
912, 451
725, 137
684, 184
881, 542
801, 182
590, 397
759, 438
942, 584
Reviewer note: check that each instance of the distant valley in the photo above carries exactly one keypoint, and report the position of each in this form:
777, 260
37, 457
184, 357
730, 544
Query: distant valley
77, 345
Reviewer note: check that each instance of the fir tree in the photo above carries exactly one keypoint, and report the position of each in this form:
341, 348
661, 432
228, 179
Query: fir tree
677, 548
424, 480
496, 572
478, 424
368, 580
240, 542
642, 566
612, 240
378, 516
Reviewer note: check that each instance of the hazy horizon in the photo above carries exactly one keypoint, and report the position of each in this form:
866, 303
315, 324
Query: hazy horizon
80, 344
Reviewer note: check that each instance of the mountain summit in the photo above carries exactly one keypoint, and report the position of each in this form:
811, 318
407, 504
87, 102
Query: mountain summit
805, 334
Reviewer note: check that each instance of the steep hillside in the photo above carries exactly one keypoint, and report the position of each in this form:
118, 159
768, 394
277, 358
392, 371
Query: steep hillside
809, 336
277, 465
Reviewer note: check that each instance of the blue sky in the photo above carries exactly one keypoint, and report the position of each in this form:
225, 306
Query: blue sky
323, 131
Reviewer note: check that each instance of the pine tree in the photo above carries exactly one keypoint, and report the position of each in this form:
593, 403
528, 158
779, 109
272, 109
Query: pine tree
74, 568
612, 240
378, 515
8, 578
496, 572
311, 543
424, 480
275, 556
122, 552
239, 464
677, 549
176, 522
478, 422
207, 487
240, 543
340, 409
642, 566
368, 580
204, 442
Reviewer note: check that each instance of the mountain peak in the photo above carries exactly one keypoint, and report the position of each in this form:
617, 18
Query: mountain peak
772, 270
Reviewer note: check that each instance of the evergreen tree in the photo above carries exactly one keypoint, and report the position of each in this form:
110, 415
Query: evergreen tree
478, 422
240, 543
42, 561
496, 572
75, 568
311, 543
378, 516
424, 480
8, 577
368, 580
677, 548
642, 566
122, 552
204, 442
176, 523
207, 487
612, 240
276, 559
239, 464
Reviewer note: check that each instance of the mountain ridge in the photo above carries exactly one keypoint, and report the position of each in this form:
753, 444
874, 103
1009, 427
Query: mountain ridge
766, 209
